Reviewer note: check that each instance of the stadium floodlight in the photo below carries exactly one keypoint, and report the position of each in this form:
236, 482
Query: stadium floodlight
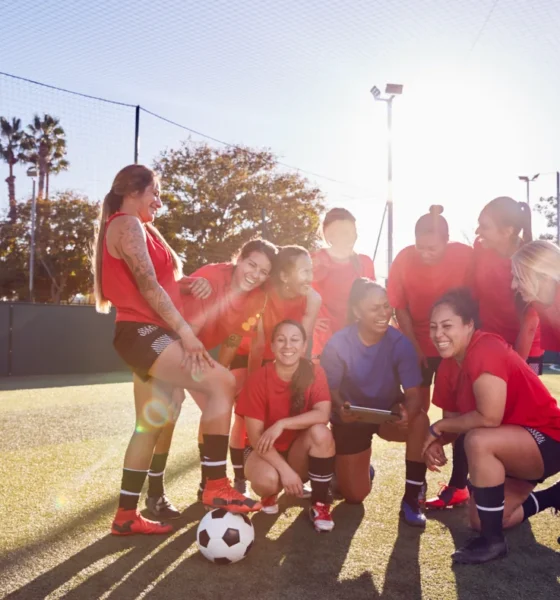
528, 181
392, 89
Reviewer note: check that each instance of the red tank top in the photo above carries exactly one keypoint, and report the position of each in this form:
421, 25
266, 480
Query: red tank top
120, 288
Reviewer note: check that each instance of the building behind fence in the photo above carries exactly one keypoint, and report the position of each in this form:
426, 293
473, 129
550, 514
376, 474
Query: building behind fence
50, 339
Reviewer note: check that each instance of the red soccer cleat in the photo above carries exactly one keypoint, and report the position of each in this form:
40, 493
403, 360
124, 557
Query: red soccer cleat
131, 522
448, 497
320, 515
270, 504
218, 493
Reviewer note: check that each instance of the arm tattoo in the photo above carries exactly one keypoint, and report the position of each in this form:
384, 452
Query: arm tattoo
132, 244
233, 341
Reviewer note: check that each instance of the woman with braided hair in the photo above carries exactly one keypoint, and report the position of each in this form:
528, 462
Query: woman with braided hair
286, 405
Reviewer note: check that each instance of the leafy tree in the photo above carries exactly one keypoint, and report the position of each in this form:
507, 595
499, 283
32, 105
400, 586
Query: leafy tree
46, 147
215, 200
64, 227
12, 138
548, 207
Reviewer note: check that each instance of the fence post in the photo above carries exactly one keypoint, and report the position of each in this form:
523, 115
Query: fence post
136, 134
10, 337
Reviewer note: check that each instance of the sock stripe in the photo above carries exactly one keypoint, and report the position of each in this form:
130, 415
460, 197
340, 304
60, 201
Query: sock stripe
414, 482
150, 474
135, 470
127, 493
491, 508
237, 466
218, 463
325, 479
536, 502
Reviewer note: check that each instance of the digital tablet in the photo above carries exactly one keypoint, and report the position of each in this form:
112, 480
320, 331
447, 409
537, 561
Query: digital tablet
375, 416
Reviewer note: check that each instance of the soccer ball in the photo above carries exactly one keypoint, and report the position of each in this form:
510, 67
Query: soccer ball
224, 537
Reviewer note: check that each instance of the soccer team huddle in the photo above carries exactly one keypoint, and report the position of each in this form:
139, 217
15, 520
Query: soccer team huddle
302, 344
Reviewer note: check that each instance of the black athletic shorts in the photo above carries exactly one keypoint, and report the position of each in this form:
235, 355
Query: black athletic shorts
429, 372
550, 452
139, 344
249, 449
537, 364
353, 438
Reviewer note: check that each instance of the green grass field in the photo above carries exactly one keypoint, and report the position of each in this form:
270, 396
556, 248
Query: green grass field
62, 445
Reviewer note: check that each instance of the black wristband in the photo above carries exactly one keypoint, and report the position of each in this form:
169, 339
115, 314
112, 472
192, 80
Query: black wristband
434, 432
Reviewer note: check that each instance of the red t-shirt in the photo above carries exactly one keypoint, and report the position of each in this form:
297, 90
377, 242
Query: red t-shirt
120, 288
417, 286
333, 280
492, 288
276, 309
223, 313
267, 398
528, 402
550, 323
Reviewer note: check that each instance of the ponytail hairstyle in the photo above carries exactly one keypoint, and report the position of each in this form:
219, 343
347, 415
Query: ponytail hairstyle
433, 223
285, 260
506, 212
133, 179
462, 303
257, 245
359, 290
532, 261
304, 375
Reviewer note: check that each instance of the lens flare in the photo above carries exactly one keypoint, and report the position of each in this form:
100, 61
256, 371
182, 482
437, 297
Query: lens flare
156, 413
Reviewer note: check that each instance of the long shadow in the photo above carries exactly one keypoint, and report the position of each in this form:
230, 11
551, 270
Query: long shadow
34, 382
531, 570
402, 577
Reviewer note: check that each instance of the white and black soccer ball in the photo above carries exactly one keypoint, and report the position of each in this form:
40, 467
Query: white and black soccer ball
224, 537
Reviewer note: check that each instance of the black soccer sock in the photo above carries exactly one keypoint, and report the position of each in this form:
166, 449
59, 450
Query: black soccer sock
131, 486
415, 477
490, 504
320, 474
238, 461
155, 475
460, 472
201, 455
539, 501
215, 457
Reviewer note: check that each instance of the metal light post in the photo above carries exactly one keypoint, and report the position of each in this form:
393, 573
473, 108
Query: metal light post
32, 172
392, 89
528, 181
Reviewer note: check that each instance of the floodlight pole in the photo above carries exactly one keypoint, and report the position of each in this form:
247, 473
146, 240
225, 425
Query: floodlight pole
136, 134
31, 172
558, 207
528, 181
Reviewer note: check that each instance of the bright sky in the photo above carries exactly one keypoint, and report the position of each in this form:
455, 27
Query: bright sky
480, 102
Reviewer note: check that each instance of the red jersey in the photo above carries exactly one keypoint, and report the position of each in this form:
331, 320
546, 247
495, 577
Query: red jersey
333, 280
267, 398
276, 309
550, 323
223, 313
120, 288
492, 288
528, 402
416, 286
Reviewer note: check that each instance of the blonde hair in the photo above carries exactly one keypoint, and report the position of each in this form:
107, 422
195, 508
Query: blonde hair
533, 259
130, 180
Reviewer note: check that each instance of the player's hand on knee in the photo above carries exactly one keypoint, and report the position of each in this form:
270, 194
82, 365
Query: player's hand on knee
435, 457
292, 483
402, 423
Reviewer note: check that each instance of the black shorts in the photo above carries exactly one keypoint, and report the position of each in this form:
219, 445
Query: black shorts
139, 344
429, 372
249, 449
537, 364
353, 438
550, 452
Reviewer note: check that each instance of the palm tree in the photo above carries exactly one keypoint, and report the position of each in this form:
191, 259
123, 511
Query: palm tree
47, 148
12, 146
56, 165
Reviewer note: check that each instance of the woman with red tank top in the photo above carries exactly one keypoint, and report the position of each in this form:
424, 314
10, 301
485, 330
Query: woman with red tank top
137, 272
536, 276
335, 269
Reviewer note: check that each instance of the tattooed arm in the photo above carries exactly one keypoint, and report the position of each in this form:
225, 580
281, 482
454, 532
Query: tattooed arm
228, 349
131, 245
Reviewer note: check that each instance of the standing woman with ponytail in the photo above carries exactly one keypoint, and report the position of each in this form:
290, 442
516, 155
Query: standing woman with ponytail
536, 276
286, 405
137, 272
335, 269
419, 276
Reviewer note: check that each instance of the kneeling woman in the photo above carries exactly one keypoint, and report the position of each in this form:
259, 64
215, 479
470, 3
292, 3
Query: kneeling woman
511, 421
286, 405
367, 364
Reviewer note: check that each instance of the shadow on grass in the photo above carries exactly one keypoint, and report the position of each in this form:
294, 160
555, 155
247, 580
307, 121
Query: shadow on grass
56, 381
531, 570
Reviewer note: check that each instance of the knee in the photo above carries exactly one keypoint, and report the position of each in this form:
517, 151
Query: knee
356, 496
420, 422
321, 437
476, 443
267, 483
